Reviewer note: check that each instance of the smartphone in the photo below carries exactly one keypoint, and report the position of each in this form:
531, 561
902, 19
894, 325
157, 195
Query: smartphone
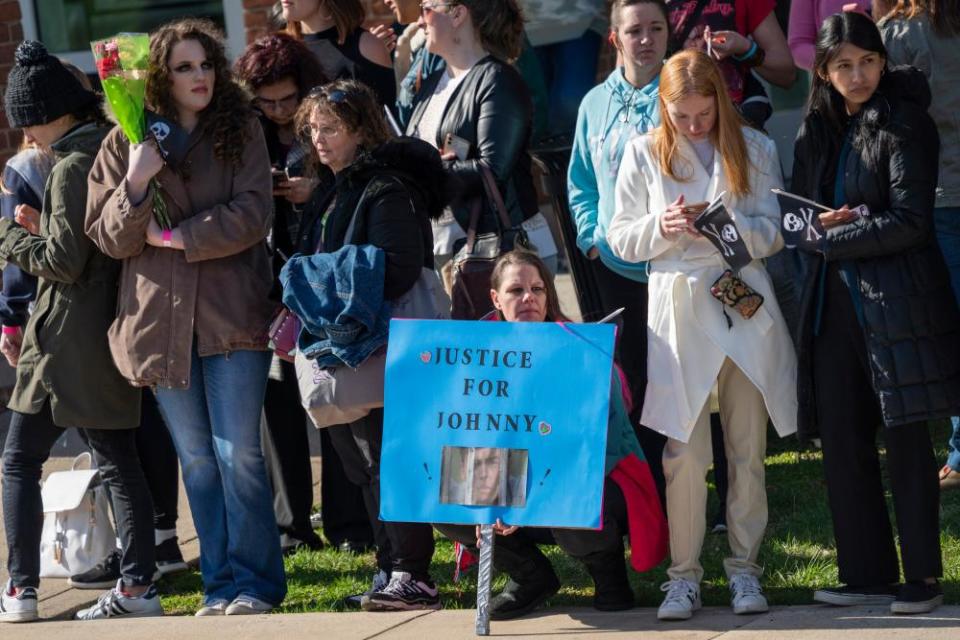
459, 146
695, 209
861, 210
278, 177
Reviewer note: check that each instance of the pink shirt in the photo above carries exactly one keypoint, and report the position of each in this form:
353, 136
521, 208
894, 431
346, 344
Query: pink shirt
806, 16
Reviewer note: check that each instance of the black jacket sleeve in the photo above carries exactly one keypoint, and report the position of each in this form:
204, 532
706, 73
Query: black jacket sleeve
393, 226
911, 154
504, 114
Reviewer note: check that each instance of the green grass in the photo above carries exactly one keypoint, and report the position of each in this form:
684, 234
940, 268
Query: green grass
798, 553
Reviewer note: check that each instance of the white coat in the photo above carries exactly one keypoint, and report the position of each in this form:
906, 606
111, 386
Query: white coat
688, 335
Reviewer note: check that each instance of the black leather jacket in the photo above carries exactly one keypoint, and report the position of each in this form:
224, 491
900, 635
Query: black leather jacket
492, 110
911, 321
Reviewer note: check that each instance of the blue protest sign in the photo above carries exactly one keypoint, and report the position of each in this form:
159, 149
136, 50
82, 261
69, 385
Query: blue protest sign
487, 420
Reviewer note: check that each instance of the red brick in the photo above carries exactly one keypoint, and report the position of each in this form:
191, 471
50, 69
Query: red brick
9, 11
257, 4
257, 32
16, 32
254, 19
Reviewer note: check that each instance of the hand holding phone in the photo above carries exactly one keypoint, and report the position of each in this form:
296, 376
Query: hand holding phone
457, 145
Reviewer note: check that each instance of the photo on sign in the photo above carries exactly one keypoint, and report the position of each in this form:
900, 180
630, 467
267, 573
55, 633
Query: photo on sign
483, 476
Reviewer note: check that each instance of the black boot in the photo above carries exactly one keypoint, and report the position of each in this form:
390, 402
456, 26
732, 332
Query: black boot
612, 590
532, 580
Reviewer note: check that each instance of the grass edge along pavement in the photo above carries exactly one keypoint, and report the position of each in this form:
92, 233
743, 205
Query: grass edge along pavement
797, 554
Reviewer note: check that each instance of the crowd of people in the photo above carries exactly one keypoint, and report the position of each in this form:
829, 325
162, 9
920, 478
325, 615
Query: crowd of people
382, 152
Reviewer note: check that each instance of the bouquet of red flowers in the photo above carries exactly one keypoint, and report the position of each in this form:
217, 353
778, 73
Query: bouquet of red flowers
122, 63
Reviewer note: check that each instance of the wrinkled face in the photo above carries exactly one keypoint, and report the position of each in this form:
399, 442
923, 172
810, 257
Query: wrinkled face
405, 11
694, 116
298, 10
336, 145
278, 101
192, 76
642, 35
439, 20
855, 74
522, 295
486, 476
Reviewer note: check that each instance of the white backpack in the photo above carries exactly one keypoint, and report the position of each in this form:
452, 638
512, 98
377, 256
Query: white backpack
77, 530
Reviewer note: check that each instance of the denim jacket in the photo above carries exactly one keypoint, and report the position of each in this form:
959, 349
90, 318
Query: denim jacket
339, 298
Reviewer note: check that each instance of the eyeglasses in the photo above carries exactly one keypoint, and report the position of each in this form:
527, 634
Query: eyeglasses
311, 132
432, 8
286, 102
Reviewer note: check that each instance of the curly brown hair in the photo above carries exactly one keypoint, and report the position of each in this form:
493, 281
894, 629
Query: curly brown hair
350, 102
229, 110
276, 57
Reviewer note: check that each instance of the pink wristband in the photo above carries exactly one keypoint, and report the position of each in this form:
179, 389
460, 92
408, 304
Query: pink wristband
10, 330
167, 236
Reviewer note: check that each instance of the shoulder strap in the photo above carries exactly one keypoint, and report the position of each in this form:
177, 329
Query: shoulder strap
495, 199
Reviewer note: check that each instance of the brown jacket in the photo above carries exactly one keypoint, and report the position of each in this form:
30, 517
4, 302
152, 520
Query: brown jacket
215, 291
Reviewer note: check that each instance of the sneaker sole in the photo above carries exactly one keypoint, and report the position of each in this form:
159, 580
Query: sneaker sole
19, 616
751, 609
841, 600
139, 614
679, 615
906, 608
375, 605
106, 584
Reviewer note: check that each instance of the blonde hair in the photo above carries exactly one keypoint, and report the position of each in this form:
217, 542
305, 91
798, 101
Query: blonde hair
689, 73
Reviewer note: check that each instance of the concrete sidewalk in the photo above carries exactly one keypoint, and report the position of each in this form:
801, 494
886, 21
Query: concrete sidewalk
788, 623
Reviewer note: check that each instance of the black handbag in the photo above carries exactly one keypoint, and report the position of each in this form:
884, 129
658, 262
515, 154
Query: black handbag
473, 263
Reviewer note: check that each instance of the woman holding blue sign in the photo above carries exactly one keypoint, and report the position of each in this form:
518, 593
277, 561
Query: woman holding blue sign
702, 152
879, 341
522, 290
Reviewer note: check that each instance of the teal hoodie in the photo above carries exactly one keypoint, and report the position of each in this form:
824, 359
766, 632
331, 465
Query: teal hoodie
611, 114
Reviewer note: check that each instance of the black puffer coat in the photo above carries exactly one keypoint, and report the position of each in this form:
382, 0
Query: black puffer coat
911, 320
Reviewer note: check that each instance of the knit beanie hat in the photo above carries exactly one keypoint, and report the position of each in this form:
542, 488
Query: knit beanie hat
40, 89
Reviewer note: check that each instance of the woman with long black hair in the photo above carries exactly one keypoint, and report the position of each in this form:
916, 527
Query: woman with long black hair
879, 340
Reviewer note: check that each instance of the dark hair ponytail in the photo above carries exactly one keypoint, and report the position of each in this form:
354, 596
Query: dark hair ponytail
499, 24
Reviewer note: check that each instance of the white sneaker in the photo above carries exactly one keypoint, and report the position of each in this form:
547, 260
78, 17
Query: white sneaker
682, 599
20, 606
247, 606
215, 607
746, 596
116, 604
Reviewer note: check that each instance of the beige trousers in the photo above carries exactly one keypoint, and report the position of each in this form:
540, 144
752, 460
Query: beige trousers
685, 465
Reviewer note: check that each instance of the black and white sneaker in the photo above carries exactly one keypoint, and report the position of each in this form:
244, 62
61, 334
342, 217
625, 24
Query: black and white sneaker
18, 604
169, 559
102, 576
117, 604
380, 580
857, 596
403, 593
917, 597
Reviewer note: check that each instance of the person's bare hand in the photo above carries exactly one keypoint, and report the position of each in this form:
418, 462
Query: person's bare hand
843, 215
448, 155
386, 35
498, 528
725, 43
28, 218
10, 345
296, 190
675, 221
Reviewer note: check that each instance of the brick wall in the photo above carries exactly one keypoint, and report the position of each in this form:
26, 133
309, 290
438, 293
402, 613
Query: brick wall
11, 34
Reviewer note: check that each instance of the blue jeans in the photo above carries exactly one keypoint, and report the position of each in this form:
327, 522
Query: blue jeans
947, 220
215, 424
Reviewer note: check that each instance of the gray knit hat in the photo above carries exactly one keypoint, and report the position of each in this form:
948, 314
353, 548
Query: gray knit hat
40, 89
